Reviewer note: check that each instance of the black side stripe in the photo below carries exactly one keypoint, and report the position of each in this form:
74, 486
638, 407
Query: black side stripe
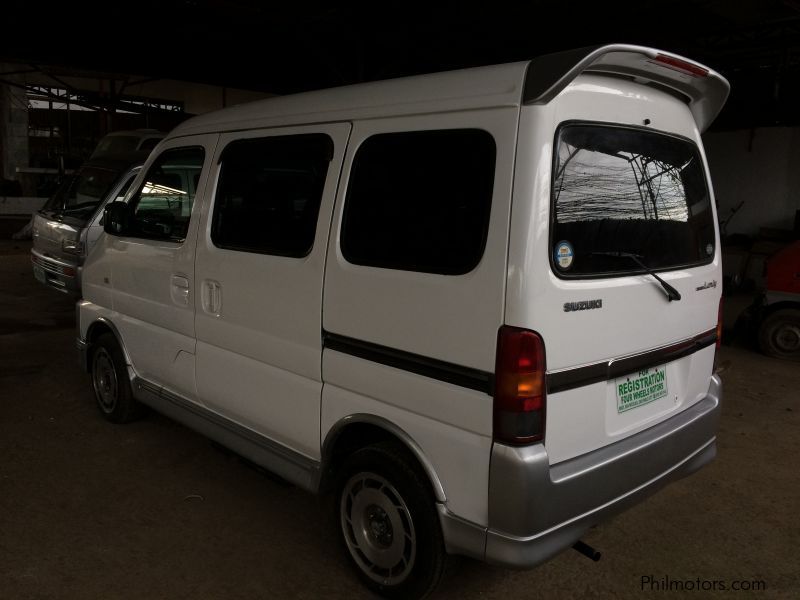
482, 381
467, 377
569, 379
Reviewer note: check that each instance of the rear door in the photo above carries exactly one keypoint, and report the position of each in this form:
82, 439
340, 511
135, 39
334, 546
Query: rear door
624, 206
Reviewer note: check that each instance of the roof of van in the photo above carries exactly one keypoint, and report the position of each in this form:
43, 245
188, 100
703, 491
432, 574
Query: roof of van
535, 82
498, 85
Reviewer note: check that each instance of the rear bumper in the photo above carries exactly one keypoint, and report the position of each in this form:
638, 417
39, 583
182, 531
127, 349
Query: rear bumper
58, 274
537, 510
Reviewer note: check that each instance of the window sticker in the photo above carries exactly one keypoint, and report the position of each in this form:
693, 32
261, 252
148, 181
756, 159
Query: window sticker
564, 255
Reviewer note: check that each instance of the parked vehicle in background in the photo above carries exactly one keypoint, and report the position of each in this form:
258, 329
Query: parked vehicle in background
119, 143
479, 308
778, 310
65, 230
67, 227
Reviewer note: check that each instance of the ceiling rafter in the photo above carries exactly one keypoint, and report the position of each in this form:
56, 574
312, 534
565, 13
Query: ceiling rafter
291, 47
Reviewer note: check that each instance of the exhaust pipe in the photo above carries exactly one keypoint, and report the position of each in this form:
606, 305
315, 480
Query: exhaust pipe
587, 550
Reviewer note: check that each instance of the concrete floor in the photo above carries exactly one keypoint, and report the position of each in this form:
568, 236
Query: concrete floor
153, 510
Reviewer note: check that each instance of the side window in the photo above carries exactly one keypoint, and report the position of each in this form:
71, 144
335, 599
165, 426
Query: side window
269, 194
420, 201
163, 205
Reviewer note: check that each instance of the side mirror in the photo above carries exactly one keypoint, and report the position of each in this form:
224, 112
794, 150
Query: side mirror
117, 218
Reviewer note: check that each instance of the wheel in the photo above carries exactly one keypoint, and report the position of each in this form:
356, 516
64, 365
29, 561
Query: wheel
779, 334
389, 523
112, 388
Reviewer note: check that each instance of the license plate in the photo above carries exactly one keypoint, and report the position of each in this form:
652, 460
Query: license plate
38, 272
641, 387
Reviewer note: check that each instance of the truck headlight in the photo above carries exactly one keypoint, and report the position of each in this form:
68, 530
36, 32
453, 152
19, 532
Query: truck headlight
72, 247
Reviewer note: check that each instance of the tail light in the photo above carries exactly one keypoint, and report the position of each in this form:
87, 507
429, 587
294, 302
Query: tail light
719, 336
519, 393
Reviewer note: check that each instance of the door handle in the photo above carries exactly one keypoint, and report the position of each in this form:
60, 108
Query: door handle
212, 297
179, 290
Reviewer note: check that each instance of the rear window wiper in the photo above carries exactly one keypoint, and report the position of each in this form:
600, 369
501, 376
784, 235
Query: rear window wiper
672, 293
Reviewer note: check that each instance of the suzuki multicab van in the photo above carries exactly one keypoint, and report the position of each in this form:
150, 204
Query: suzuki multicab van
478, 308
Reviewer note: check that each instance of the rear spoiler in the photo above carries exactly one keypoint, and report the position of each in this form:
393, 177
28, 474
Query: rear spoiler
704, 90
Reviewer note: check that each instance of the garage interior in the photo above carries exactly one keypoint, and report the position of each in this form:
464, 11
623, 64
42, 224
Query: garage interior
155, 510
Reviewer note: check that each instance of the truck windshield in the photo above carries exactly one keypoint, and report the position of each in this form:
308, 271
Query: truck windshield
117, 144
86, 190
619, 190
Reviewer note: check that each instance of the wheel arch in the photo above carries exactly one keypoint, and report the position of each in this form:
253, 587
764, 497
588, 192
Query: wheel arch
357, 431
769, 309
95, 330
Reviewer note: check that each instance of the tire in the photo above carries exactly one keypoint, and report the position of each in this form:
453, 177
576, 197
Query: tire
112, 388
779, 334
388, 522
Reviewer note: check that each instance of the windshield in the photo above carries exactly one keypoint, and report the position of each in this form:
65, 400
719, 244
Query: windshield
628, 191
86, 190
116, 144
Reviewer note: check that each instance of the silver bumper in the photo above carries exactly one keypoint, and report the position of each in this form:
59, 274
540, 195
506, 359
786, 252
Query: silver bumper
57, 274
537, 510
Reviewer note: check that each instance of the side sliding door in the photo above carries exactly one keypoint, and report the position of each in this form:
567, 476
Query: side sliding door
258, 289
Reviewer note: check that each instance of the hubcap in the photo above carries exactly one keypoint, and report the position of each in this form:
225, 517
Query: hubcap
104, 379
787, 338
377, 528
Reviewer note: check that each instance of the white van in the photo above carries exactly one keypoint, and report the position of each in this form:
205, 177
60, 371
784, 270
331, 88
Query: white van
480, 308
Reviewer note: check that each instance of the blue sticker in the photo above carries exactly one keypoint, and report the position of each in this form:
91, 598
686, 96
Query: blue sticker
563, 255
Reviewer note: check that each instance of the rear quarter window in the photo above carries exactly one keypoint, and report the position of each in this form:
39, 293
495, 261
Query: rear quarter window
621, 193
420, 201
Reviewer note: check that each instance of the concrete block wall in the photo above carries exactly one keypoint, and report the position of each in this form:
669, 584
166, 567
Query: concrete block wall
13, 130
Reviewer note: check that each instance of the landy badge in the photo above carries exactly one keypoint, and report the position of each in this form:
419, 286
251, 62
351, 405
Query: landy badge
564, 255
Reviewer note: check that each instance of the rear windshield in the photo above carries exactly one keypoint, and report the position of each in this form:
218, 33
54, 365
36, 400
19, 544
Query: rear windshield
87, 189
625, 197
